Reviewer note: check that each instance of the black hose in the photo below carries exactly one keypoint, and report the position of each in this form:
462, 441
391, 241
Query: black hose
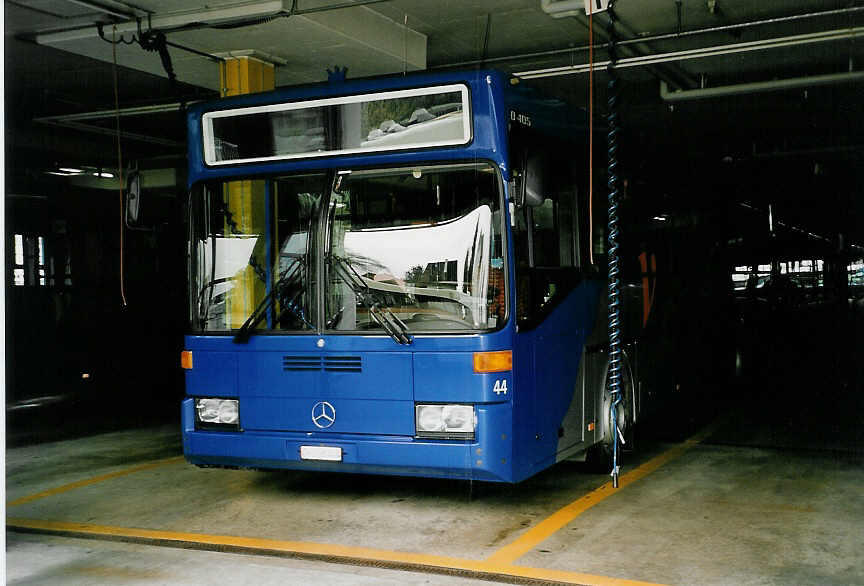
614, 282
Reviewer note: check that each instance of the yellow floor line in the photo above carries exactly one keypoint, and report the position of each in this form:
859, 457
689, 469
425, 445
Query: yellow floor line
342, 553
561, 518
94, 480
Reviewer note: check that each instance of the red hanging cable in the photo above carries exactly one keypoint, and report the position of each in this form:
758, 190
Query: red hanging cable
591, 137
119, 158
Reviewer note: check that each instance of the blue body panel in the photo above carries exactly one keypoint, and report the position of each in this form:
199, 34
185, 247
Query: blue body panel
517, 431
374, 407
546, 361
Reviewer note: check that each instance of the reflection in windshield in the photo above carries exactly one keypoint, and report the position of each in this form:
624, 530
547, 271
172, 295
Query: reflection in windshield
245, 241
424, 245
424, 239
369, 298
233, 255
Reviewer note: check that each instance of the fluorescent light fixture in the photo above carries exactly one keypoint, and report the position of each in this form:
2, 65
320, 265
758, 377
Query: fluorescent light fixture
72, 170
662, 218
104, 175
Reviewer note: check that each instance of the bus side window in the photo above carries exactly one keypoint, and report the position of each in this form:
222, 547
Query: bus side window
547, 252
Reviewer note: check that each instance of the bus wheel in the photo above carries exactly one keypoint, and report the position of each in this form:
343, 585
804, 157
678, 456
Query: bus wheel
600, 455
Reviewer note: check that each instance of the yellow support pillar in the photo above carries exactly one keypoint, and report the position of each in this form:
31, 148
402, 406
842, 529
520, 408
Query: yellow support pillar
245, 75
246, 200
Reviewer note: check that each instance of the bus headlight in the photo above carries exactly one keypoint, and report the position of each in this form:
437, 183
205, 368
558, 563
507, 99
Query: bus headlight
213, 413
446, 421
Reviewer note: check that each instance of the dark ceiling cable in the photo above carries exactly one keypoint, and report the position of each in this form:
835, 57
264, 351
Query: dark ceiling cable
485, 54
154, 41
137, 39
114, 40
195, 52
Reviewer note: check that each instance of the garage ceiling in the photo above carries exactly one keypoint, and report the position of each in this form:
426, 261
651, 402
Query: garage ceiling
56, 63
305, 37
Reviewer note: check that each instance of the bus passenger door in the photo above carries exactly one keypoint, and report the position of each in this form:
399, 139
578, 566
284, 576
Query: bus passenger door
551, 303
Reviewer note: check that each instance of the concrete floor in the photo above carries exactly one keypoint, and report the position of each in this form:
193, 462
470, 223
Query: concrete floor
41, 559
714, 514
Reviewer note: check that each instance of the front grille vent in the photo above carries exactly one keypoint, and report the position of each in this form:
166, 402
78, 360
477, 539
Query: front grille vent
330, 363
294, 363
343, 364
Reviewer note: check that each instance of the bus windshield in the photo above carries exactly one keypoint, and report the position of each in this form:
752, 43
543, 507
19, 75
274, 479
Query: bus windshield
397, 250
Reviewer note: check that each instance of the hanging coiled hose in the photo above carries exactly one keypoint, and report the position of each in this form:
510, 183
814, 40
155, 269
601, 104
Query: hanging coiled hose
614, 283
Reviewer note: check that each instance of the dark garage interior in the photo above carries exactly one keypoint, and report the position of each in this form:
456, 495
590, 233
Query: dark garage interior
740, 166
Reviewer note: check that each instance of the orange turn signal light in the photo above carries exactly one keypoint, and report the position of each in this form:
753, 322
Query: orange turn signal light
493, 361
186, 359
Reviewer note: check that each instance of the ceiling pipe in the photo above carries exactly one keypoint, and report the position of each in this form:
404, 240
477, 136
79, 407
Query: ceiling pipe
758, 87
673, 73
222, 15
113, 133
100, 114
328, 7
578, 9
662, 37
700, 53
125, 11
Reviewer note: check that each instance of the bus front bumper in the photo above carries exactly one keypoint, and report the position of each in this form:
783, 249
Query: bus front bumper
487, 457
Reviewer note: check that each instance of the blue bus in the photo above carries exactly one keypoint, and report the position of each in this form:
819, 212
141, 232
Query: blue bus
396, 276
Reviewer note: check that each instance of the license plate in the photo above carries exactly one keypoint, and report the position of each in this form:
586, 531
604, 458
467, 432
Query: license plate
325, 453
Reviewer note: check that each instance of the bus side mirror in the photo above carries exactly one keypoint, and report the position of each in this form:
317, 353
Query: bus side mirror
133, 198
529, 185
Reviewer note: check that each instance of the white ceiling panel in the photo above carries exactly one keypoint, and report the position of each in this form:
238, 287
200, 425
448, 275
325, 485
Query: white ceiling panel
365, 41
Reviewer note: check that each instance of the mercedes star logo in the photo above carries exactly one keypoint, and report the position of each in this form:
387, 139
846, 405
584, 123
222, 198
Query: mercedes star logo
323, 414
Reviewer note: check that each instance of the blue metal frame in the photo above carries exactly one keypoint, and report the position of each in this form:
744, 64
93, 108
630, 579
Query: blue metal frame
489, 141
268, 207
375, 408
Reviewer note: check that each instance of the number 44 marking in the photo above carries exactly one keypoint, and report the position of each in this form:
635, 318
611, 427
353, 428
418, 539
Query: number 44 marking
500, 387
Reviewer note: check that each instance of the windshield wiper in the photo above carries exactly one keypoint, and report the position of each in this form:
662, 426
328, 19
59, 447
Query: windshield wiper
285, 290
382, 315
